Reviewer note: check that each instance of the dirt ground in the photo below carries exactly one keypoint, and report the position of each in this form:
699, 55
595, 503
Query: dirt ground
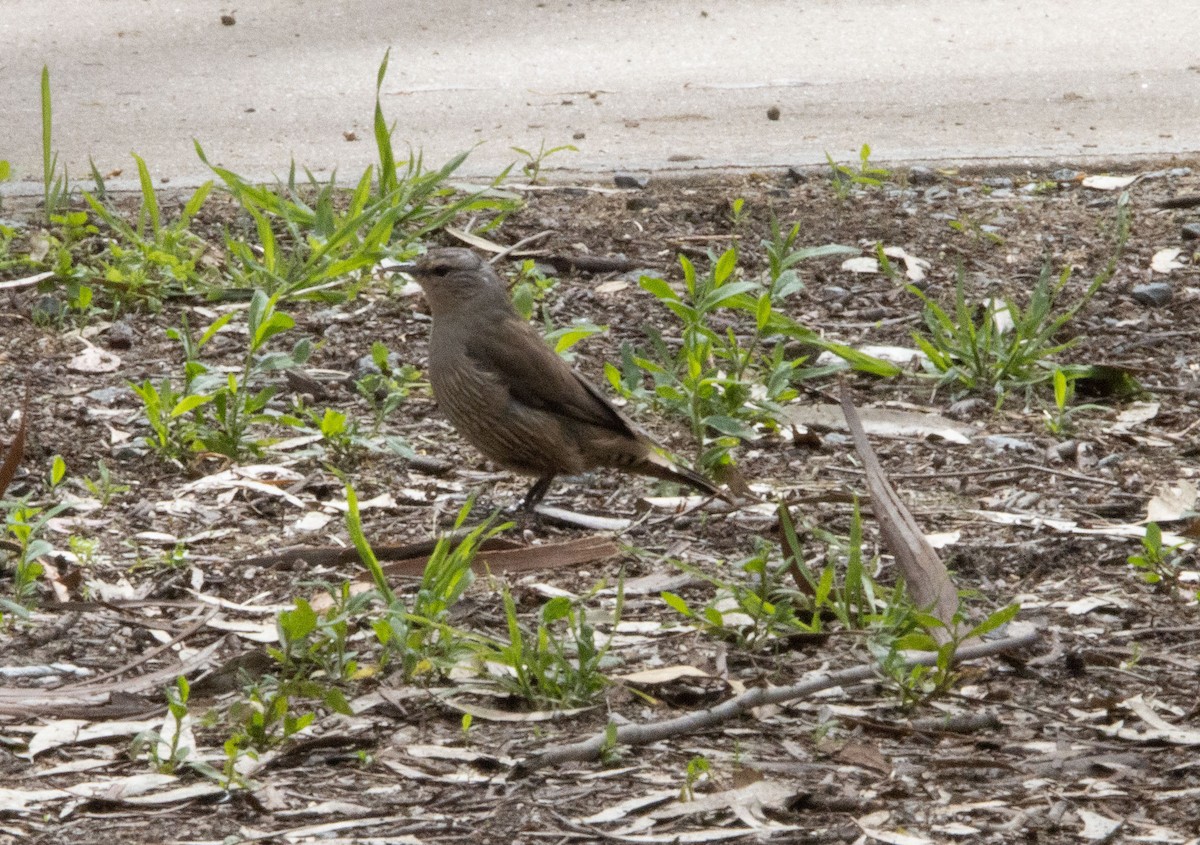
1090, 735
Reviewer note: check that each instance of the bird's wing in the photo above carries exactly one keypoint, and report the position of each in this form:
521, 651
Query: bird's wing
538, 378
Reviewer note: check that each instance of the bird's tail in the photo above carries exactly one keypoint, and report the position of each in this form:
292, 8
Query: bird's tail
658, 466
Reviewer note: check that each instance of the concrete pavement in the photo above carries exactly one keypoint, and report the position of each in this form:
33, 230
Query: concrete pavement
634, 84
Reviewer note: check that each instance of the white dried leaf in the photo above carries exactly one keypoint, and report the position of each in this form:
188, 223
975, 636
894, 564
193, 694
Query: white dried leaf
1097, 827
1166, 260
311, 521
901, 355
664, 674
914, 268
862, 264
614, 286
1172, 502
94, 360
1108, 183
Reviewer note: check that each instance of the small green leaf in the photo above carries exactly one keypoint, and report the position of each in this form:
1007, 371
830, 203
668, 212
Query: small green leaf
762, 315
1060, 388
58, 470
994, 621
677, 604
190, 403
557, 608
658, 287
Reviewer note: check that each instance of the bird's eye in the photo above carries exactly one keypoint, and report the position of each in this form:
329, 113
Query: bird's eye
439, 270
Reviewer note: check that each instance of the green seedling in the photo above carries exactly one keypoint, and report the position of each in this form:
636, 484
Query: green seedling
103, 486
698, 769
531, 288
843, 177
1061, 421
532, 167
146, 262
914, 686
729, 384
219, 411
1159, 565
387, 389
558, 663
167, 754
56, 188
24, 525
995, 346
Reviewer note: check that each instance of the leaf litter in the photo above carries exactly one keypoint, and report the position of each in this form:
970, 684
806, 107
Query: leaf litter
1083, 736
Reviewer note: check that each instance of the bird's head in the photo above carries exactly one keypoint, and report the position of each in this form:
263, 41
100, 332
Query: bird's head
453, 277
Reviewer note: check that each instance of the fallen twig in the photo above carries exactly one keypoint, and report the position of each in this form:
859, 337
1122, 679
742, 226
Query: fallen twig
591, 748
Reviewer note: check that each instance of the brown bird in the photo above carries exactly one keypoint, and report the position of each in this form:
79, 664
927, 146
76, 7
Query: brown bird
511, 396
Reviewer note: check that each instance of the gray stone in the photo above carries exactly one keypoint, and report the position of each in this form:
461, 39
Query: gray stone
921, 175
120, 335
1153, 294
965, 409
1004, 443
629, 180
833, 293
366, 366
1190, 231
641, 203
108, 395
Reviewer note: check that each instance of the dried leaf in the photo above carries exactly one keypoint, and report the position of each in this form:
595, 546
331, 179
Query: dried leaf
881, 422
1166, 260
925, 576
1097, 827
1173, 502
861, 264
95, 360
28, 281
1108, 183
914, 267
67, 732
664, 675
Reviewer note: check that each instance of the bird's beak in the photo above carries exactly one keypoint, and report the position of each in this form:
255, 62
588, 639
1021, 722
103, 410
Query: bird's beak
403, 267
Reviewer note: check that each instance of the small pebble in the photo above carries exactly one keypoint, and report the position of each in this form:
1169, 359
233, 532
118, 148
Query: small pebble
1064, 174
921, 175
108, 395
1190, 231
641, 203
998, 182
797, 175
366, 366
47, 308
120, 335
1004, 443
628, 180
1152, 295
965, 409
1063, 451
773, 113
833, 293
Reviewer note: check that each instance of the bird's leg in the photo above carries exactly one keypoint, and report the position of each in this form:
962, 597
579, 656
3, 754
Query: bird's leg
536, 493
